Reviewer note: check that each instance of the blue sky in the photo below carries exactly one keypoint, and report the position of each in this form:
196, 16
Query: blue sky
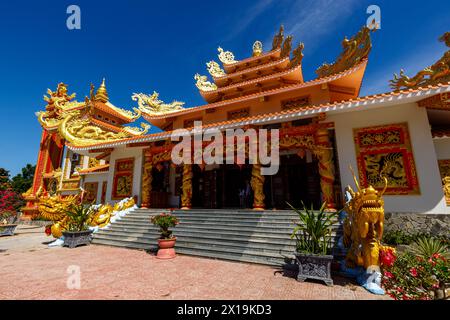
141, 46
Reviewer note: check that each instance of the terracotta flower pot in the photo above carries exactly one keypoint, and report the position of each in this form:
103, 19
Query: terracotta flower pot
166, 248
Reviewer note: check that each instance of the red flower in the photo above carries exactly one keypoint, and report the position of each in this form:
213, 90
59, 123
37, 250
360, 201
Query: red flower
388, 275
387, 258
413, 272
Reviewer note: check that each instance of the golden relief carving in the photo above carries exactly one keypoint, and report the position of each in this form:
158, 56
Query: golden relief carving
278, 39
226, 57
93, 162
386, 151
355, 50
437, 73
444, 169
363, 227
215, 70
150, 104
203, 84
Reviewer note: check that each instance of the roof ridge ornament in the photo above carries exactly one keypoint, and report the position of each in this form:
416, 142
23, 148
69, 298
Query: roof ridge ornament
278, 39
297, 55
215, 70
203, 84
102, 93
287, 46
355, 50
226, 57
257, 48
150, 104
439, 72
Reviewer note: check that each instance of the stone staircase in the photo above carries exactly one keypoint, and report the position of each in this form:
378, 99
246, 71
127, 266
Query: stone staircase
240, 235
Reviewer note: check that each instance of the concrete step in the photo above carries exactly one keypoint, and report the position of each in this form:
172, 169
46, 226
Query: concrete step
225, 253
199, 243
237, 235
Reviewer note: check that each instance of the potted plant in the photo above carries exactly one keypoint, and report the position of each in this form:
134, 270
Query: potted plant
7, 225
166, 242
313, 243
77, 232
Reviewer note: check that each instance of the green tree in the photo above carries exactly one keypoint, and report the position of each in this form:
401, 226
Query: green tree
5, 183
23, 181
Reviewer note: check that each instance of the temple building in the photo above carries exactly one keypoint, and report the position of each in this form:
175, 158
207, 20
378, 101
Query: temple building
324, 128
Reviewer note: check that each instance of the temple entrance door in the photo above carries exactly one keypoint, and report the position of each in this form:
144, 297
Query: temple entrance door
233, 180
160, 187
296, 180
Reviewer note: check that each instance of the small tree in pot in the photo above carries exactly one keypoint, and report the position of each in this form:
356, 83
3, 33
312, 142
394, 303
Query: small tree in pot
313, 243
167, 241
77, 231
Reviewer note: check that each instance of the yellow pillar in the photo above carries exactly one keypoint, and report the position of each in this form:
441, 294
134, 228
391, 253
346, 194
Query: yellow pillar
147, 179
324, 152
186, 196
257, 184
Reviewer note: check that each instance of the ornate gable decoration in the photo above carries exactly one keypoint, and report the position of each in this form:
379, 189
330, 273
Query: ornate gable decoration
151, 105
72, 120
354, 51
437, 73
226, 57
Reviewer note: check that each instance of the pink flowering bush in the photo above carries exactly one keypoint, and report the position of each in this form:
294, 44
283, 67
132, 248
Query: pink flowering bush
412, 277
10, 203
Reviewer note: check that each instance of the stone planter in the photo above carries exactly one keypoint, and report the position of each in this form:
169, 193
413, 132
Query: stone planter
166, 248
442, 293
78, 238
311, 266
7, 229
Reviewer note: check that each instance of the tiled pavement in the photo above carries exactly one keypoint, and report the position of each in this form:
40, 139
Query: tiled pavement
35, 271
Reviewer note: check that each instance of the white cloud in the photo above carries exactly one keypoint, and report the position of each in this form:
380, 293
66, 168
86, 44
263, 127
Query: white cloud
248, 17
308, 21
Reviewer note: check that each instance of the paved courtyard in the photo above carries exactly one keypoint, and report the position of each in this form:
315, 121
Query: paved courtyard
35, 271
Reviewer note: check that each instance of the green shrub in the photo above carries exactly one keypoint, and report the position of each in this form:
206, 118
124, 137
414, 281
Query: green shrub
165, 221
426, 247
313, 231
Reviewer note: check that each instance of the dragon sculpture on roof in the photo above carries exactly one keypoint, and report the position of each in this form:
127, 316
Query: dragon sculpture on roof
150, 104
439, 72
355, 50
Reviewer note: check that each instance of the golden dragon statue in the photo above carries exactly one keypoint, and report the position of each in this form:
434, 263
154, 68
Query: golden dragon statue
439, 72
151, 104
363, 227
54, 208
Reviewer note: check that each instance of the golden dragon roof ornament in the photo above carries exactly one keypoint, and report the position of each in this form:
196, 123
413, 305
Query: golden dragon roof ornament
215, 70
72, 120
226, 57
439, 72
355, 50
203, 84
150, 104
